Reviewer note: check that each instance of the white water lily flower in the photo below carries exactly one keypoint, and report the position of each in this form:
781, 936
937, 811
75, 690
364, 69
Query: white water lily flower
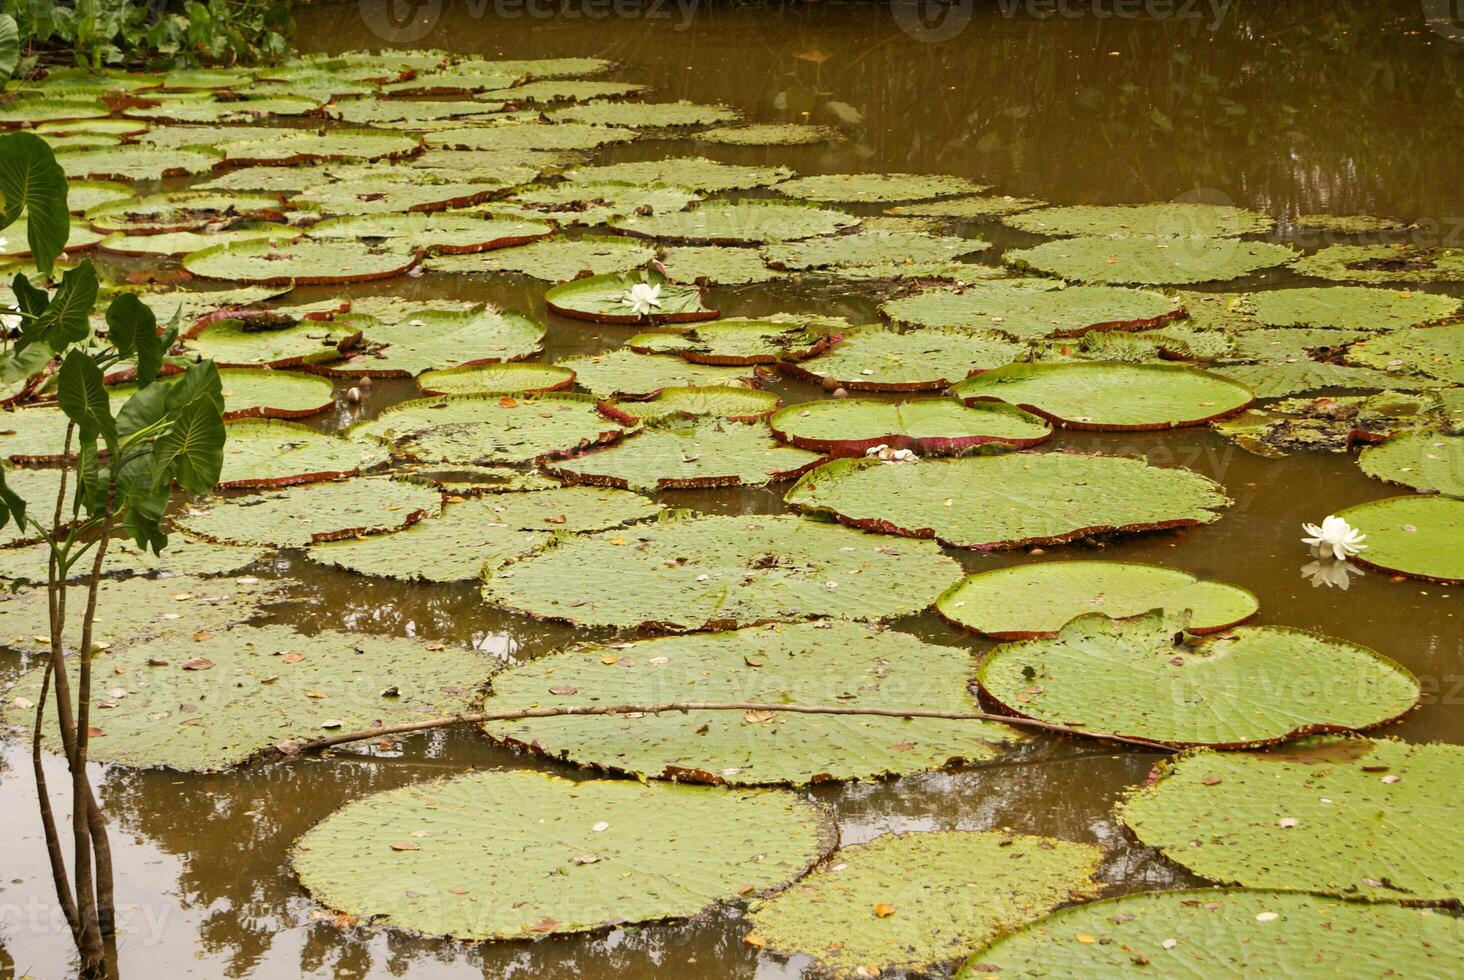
642, 297
891, 456
1335, 538
879, 450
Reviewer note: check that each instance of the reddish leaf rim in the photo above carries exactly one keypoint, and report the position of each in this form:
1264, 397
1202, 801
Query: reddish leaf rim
921, 446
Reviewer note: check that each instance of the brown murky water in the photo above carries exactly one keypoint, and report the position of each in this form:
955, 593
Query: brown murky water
1295, 108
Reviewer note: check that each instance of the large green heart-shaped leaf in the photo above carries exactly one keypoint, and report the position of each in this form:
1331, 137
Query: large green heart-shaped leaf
33, 186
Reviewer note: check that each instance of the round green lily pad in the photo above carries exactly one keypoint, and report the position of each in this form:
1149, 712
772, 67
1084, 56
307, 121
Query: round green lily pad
747, 221
304, 262
645, 115
557, 259
770, 134
796, 664
717, 265
689, 454
1143, 679
459, 79
869, 248
257, 393
1011, 500
483, 429
689, 574
182, 556
1418, 536
608, 299
1032, 308
136, 162
970, 208
876, 188
186, 242
1436, 352
236, 343
299, 516
32, 110
570, 203
380, 191
1171, 219
770, 340
1099, 395
1277, 379
876, 358
552, 90
449, 232
717, 401
181, 211
270, 453
83, 195
1024, 601
529, 135
422, 340
404, 113
35, 434
696, 173
1350, 307
574, 856
623, 372
483, 532
1144, 260
482, 379
213, 701
1383, 264
1429, 462
1224, 932
1352, 817
16, 241
915, 901
926, 426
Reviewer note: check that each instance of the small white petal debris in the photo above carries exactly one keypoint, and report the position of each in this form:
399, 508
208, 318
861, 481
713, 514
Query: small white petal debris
888, 455
1335, 538
1287, 822
1268, 916
642, 298
600, 827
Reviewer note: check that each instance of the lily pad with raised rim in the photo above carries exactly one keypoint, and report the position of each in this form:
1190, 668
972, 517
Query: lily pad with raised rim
1011, 500
263, 453
746, 221
645, 115
1150, 261
569, 203
876, 358
696, 173
1429, 462
1436, 352
481, 379
740, 404
625, 373
970, 208
182, 556
530, 136
606, 299
771, 340
443, 232
1032, 308
235, 343
180, 243
557, 259
926, 426
877, 188
770, 134
304, 146
1171, 219
1278, 379
552, 90
717, 265
300, 516
689, 574
1350, 307
305, 262
423, 340
181, 211
1383, 264
869, 249
1418, 536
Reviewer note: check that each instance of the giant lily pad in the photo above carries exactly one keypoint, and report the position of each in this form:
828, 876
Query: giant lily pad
1099, 395
186, 242
477, 379
739, 404
438, 232
300, 516
181, 211
83, 195
970, 208
914, 901
551, 90
16, 243
482, 429
696, 173
575, 856
686, 454
791, 664
717, 265
1383, 264
426, 339
459, 79
1422, 537
33, 435
645, 115
404, 113
1277, 379
1364, 819
1437, 352
770, 134
304, 146
1145, 260
483, 532
214, 701
869, 248
236, 343
926, 426
771, 340
624, 372
1142, 679
1024, 601
1173, 219
530, 136
874, 358
744, 221
1429, 462
304, 262
569, 203
270, 453
1213, 932
39, 488
991, 502
876, 188
557, 259
1332, 424
1031, 308
606, 299
1350, 307
699, 573
31, 111
182, 556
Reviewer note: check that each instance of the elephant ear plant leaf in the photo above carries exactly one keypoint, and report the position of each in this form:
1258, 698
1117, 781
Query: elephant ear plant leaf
126, 464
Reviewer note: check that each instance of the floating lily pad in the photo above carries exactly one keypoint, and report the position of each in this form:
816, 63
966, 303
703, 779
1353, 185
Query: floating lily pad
624, 372
689, 454
576, 856
874, 358
1249, 686
1348, 224
876, 188
570, 203
422, 340
387, 192
606, 299
1173, 219
303, 262
439, 232
513, 376
484, 429
182, 556
550, 90
1422, 537
869, 248
235, 343
1383, 264
530, 136
1290, 343
271, 453
1277, 379
301, 516
304, 146
483, 532
1031, 308
557, 259
281, 685
204, 138
1429, 462
187, 242
30, 111
1024, 601
181, 211
1211, 931
973, 208
203, 107
1144, 260
16, 242
1006, 501
926, 426
645, 115
1333, 424
83, 195
770, 134
792, 664
717, 265
717, 401
746, 221
1437, 352
406, 113
1364, 819
770, 340
33, 435
914, 901
696, 173
1350, 307
1098, 395
756, 569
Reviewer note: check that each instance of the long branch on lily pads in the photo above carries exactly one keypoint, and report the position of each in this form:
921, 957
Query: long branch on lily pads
297, 747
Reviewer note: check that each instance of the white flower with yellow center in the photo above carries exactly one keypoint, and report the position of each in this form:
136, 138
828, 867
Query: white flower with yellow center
1335, 538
